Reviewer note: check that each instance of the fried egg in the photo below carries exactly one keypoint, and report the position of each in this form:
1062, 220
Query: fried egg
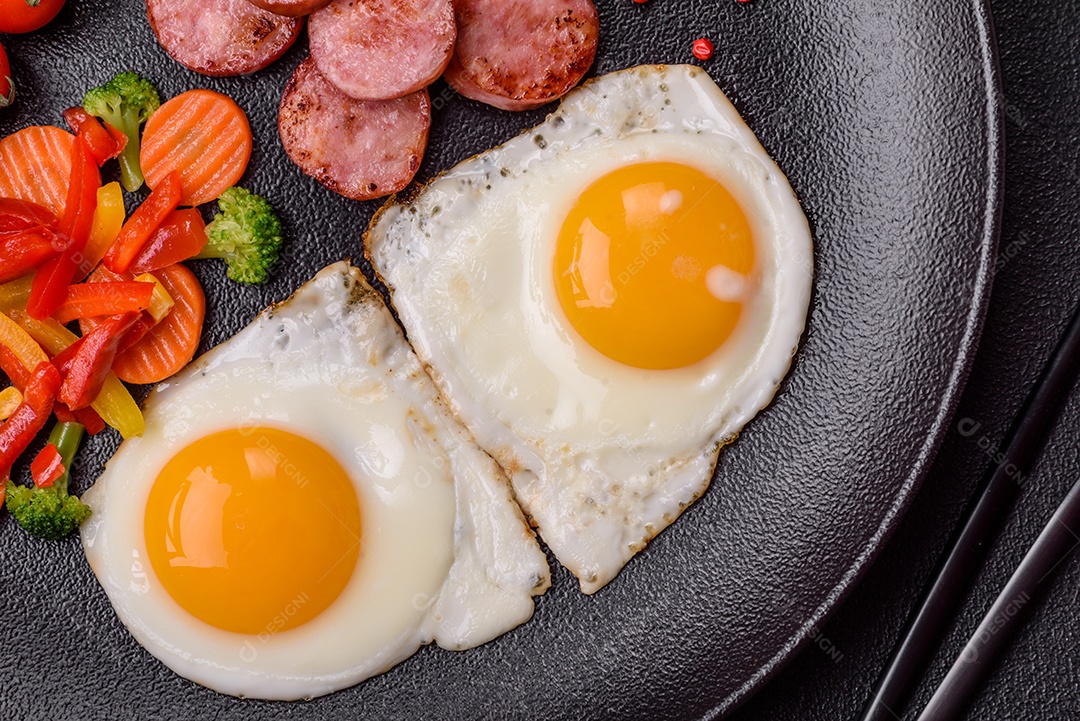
606, 300
302, 512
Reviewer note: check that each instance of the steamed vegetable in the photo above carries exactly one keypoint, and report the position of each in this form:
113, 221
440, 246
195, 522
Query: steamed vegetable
246, 234
203, 135
51, 512
125, 102
51, 280
16, 433
36, 166
146, 219
163, 348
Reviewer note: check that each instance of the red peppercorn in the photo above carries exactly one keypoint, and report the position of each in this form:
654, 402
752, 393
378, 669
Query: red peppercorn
640, 2
703, 48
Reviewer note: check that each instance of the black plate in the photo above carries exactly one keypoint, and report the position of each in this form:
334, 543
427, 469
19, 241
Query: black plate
885, 117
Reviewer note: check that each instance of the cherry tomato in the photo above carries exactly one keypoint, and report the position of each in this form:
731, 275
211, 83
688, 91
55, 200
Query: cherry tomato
7, 89
23, 16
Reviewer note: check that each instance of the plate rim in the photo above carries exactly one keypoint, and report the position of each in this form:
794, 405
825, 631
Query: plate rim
993, 203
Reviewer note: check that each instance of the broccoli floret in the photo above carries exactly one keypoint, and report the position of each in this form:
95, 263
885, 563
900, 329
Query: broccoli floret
125, 102
246, 234
51, 512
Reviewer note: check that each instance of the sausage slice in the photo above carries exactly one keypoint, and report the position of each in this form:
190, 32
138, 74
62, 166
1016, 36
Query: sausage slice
521, 54
221, 37
292, 8
361, 149
382, 49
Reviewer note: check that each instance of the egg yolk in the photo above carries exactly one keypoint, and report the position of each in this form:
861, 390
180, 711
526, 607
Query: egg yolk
653, 263
253, 530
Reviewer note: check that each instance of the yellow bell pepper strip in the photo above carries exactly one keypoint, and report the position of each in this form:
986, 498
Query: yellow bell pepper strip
10, 399
117, 408
160, 302
13, 295
20, 345
114, 404
108, 219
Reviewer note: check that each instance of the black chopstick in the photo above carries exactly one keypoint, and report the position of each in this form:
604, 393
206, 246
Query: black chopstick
952, 578
1055, 542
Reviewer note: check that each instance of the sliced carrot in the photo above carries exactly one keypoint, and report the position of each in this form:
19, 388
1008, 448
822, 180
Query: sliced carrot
169, 345
204, 136
36, 165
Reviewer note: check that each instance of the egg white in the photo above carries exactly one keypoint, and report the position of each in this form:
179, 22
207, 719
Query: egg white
445, 554
602, 455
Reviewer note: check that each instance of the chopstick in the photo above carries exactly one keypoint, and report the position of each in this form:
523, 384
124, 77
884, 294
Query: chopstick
1055, 542
951, 580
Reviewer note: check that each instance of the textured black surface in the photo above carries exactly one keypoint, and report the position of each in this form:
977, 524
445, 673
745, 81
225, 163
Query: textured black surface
883, 116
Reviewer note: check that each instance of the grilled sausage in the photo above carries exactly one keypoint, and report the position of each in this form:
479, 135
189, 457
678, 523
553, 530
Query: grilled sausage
521, 54
221, 37
382, 49
291, 8
361, 149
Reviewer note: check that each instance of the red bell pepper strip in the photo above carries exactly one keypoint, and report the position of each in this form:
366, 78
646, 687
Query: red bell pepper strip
103, 145
18, 214
141, 327
138, 331
19, 430
13, 368
86, 417
117, 135
182, 235
90, 300
63, 413
143, 222
90, 420
52, 279
64, 358
22, 251
47, 466
84, 369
